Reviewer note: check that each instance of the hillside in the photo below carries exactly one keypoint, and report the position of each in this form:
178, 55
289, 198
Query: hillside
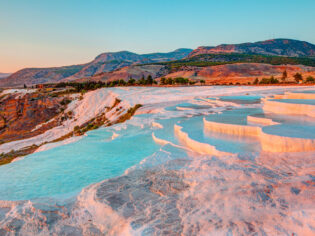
234, 65
230, 58
4, 75
105, 62
276, 47
240, 72
32, 76
135, 71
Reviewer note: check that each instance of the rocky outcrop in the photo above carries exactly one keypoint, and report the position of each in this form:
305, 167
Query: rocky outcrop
19, 115
276, 47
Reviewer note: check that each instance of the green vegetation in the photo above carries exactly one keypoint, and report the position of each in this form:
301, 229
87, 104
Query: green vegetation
130, 112
92, 85
68, 70
256, 81
222, 59
6, 158
65, 102
284, 75
270, 80
298, 77
177, 81
310, 79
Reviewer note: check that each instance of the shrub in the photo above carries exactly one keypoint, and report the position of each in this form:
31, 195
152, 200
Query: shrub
163, 80
65, 101
256, 81
169, 81
270, 80
310, 79
298, 77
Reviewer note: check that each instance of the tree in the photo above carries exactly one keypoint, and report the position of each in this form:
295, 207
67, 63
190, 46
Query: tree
149, 80
202, 81
298, 77
310, 79
131, 81
142, 81
163, 81
284, 75
273, 80
122, 82
256, 81
169, 81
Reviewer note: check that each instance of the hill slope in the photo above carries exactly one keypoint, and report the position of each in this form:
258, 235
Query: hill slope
276, 47
4, 75
32, 76
105, 62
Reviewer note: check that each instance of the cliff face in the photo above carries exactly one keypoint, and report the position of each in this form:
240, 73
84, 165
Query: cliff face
276, 47
19, 115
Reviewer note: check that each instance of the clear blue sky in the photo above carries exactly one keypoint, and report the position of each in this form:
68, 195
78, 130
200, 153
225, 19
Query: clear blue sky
38, 33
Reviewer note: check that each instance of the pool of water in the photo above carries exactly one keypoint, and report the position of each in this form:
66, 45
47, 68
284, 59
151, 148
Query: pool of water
245, 99
296, 101
121, 174
65, 170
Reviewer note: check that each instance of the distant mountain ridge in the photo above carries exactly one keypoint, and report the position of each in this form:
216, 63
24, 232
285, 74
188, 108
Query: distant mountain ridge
111, 61
4, 75
104, 62
122, 65
274, 47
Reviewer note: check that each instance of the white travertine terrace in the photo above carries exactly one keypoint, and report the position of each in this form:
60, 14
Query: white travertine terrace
272, 142
290, 95
269, 142
277, 143
201, 148
157, 125
160, 141
261, 120
288, 108
241, 130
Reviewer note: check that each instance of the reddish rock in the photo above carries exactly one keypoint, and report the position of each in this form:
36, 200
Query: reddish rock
20, 115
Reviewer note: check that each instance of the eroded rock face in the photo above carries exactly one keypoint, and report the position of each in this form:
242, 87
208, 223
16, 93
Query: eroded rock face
19, 115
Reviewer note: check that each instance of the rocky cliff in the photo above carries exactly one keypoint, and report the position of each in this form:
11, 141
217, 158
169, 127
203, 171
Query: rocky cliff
20, 114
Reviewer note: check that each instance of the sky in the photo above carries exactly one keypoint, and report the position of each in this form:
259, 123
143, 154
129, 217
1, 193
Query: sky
43, 33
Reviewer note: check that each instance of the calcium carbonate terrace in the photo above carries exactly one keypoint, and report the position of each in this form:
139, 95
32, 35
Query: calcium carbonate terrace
185, 148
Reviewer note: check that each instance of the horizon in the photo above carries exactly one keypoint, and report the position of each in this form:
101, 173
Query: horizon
140, 54
40, 34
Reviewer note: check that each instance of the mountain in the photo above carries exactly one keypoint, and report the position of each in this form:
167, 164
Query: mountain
275, 47
105, 62
240, 72
134, 71
32, 76
4, 75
